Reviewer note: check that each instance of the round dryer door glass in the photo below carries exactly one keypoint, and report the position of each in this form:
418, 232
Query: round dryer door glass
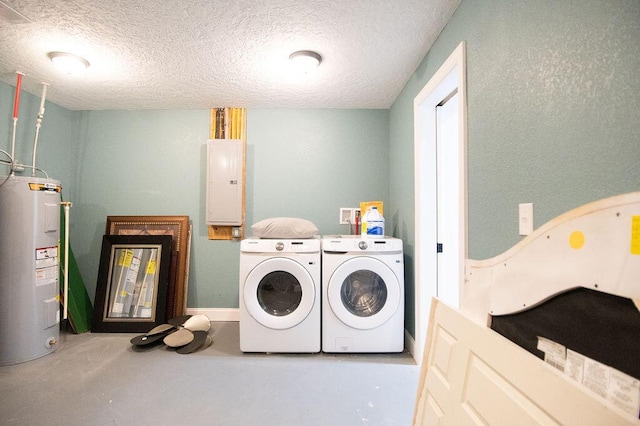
279, 293
363, 293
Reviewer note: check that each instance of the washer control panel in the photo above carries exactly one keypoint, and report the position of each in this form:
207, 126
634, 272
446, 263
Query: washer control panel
360, 244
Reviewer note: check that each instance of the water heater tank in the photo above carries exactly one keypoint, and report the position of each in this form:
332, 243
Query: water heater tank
29, 249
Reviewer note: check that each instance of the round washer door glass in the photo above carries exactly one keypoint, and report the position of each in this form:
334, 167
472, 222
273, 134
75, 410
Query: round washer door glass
279, 293
363, 293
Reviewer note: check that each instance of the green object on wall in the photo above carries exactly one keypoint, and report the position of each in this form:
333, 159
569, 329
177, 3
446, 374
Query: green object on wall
79, 307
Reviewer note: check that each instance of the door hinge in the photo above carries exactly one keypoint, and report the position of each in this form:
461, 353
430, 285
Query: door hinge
439, 248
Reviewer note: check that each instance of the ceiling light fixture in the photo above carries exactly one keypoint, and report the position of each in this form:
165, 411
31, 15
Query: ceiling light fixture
305, 60
68, 62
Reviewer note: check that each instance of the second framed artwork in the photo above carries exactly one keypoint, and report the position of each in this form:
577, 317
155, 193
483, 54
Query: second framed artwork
178, 228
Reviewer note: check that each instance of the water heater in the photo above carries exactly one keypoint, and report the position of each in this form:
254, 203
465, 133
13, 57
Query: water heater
29, 273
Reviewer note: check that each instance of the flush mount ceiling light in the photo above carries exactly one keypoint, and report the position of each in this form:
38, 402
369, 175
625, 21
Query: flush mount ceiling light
68, 62
305, 60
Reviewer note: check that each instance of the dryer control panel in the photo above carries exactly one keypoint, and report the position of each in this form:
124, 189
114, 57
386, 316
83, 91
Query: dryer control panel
265, 245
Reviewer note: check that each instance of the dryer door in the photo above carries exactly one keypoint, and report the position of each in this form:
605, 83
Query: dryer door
279, 293
363, 293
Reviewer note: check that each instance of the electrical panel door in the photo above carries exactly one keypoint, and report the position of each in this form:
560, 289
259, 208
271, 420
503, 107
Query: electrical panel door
224, 182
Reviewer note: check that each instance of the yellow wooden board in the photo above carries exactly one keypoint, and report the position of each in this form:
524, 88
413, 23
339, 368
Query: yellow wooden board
233, 125
220, 232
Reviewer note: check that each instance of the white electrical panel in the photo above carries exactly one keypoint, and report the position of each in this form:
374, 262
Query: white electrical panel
224, 182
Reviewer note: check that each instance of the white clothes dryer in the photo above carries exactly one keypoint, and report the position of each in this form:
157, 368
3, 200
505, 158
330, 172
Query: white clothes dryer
362, 294
280, 295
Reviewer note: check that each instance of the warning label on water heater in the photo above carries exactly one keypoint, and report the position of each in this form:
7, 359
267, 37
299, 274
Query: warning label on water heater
46, 265
46, 254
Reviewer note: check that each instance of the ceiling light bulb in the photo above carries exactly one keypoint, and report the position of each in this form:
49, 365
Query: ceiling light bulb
68, 63
305, 60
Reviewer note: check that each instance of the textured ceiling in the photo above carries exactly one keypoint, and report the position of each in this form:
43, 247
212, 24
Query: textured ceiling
195, 54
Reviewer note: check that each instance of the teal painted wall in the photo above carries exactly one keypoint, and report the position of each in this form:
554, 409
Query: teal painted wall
309, 163
141, 163
300, 163
553, 115
56, 151
553, 119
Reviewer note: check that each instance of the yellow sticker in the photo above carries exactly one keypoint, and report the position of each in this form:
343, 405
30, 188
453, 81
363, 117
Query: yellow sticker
151, 267
576, 240
51, 187
121, 258
635, 234
128, 258
123, 293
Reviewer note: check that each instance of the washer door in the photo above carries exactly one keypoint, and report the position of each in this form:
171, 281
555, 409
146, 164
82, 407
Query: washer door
363, 293
279, 293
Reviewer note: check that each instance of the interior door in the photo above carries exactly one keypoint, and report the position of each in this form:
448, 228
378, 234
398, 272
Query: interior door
439, 93
447, 184
471, 375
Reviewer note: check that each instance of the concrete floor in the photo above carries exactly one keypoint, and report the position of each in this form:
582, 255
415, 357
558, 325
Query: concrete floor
99, 379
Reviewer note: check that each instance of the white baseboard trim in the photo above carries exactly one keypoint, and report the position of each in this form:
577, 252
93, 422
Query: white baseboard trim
410, 344
233, 314
216, 314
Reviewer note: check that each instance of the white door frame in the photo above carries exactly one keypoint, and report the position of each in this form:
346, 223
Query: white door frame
450, 77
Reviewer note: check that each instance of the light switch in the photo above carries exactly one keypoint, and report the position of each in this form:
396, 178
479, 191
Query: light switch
525, 218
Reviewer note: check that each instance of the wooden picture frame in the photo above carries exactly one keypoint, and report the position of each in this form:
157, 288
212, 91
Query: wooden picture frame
131, 292
178, 228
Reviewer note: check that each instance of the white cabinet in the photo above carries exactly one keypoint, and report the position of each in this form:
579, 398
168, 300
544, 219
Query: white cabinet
224, 182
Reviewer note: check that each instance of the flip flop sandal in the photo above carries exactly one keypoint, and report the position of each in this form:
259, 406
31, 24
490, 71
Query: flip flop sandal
198, 322
201, 340
179, 320
179, 338
154, 335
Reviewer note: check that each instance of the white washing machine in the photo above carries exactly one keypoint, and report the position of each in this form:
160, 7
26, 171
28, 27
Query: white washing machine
280, 295
362, 294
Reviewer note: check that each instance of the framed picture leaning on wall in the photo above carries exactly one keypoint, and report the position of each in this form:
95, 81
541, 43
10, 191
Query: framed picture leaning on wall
178, 228
131, 293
